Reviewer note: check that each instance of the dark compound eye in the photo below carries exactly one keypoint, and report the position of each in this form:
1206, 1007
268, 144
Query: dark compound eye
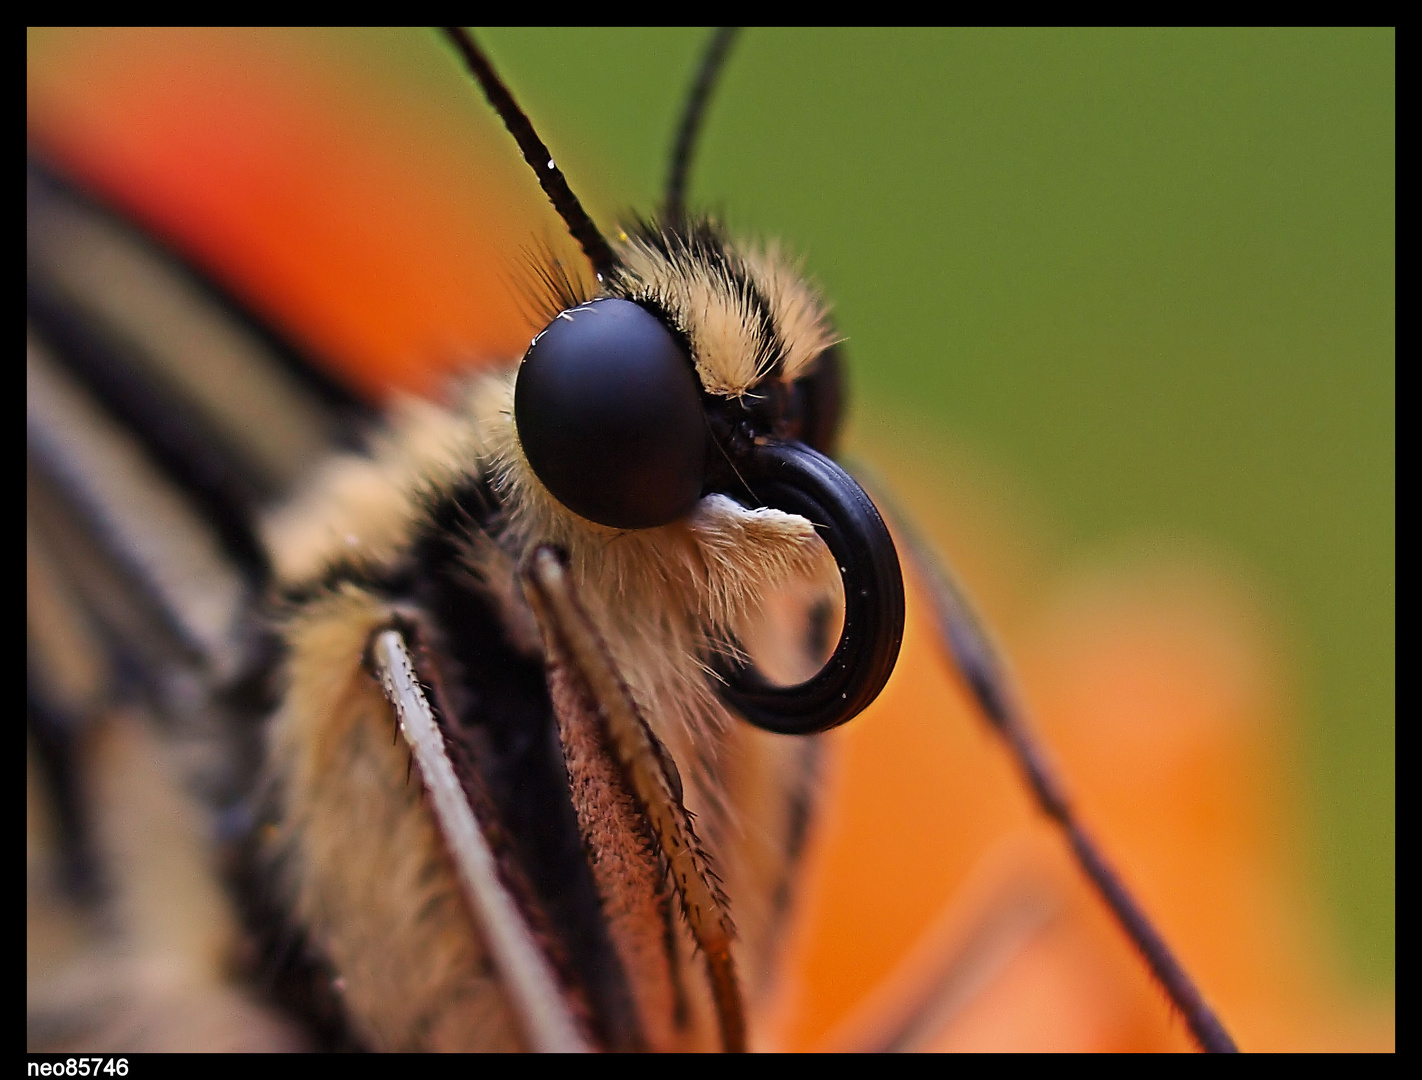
821, 398
609, 413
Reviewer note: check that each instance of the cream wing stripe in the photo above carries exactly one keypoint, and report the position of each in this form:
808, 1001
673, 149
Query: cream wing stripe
528, 977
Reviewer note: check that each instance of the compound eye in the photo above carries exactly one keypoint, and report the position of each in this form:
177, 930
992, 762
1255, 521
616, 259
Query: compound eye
609, 413
822, 398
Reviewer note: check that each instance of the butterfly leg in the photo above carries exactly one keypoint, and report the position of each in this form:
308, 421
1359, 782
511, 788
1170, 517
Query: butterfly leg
527, 974
574, 644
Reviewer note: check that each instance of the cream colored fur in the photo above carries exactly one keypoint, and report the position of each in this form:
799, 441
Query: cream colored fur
369, 874
728, 345
661, 598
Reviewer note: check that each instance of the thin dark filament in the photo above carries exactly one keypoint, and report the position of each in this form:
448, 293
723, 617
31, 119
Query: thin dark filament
969, 650
548, 286
550, 177
692, 115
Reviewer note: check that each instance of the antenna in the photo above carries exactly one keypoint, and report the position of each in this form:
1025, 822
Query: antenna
692, 114
971, 652
536, 153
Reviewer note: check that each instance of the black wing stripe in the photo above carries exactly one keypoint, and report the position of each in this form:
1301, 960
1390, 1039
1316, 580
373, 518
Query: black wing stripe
180, 337
189, 452
214, 407
184, 306
144, 642
171, 553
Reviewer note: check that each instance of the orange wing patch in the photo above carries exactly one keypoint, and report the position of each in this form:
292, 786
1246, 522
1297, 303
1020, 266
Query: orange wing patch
381, 234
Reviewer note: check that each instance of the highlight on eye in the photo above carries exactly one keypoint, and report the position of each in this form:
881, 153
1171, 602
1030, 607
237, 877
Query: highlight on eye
609, 415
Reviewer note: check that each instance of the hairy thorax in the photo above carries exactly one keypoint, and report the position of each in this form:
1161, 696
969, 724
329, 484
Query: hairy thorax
664, 601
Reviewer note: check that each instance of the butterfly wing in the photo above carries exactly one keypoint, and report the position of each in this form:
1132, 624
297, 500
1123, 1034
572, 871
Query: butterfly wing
146, 396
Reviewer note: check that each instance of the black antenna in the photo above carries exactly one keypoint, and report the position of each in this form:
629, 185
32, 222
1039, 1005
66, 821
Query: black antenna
970, 650
692, 114
550, 177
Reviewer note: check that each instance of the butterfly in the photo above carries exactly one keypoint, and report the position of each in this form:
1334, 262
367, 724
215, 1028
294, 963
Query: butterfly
570, 309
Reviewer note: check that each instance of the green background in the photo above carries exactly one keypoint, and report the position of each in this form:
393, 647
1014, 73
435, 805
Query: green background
1148, 273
